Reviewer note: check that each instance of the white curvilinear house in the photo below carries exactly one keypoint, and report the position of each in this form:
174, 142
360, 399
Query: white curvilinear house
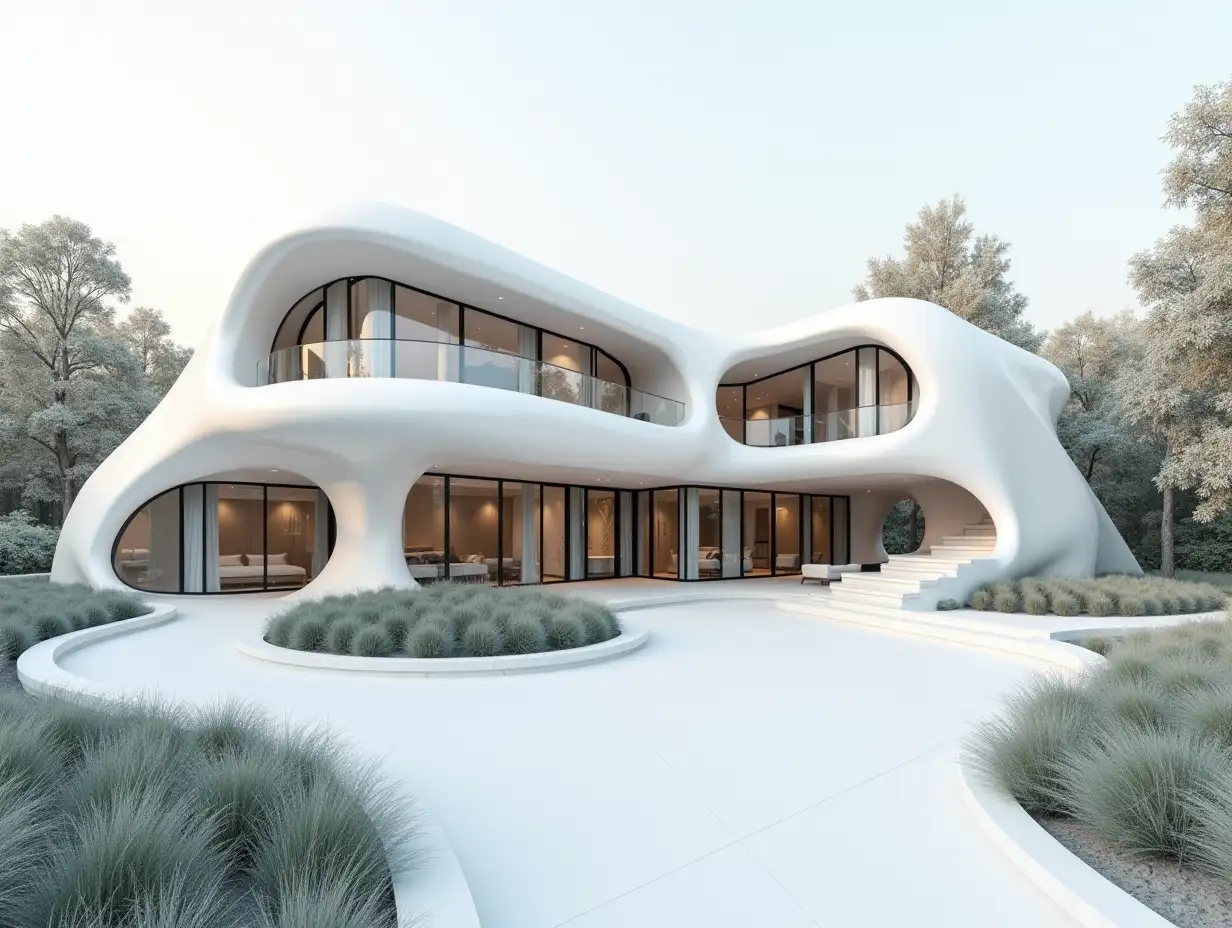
389, 400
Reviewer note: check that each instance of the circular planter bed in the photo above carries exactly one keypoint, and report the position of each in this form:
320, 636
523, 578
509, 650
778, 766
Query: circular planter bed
444, 622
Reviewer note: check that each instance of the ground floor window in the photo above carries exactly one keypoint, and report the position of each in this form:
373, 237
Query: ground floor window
225, 538
726, 534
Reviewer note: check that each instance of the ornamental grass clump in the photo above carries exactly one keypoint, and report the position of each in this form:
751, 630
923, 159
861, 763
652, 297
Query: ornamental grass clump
149, 816
1139, 748
1101, 597
436, 621
32, 609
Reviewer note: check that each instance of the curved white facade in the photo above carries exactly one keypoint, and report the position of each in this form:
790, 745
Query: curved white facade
981, 443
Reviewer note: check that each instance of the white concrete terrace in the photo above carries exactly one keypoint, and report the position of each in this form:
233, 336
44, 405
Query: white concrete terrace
749, 766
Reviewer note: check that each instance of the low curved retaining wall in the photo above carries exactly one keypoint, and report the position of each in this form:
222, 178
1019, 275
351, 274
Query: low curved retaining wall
40, 673
624, 643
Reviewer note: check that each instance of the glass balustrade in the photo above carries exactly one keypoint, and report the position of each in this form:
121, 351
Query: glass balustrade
422, 360
831, 426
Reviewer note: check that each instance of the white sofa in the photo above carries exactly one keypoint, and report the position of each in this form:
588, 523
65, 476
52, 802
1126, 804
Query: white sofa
826, 573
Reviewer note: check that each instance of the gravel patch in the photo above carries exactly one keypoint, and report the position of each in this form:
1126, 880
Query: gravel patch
1186, 896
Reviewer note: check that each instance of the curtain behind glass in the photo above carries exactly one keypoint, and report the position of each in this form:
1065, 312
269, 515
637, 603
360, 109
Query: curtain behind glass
194, 529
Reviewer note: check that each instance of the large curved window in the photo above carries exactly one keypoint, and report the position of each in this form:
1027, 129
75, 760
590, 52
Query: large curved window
863, 391
375, 327
225, 538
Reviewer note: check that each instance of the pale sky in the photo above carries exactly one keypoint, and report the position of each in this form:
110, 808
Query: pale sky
725, 164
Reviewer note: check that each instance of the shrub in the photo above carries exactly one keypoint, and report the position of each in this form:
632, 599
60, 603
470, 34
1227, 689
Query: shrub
981, 599
429, 640
341, 635
370, 641
1135, 788
1130, 703
948, 605
14, 640
396, 626
481, 639
1006, 600
1132, 606
26, 547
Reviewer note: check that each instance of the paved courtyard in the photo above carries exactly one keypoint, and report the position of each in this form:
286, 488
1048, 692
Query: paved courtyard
748, 767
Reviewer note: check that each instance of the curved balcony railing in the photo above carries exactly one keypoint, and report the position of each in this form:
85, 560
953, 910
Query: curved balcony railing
421, 360
831, 426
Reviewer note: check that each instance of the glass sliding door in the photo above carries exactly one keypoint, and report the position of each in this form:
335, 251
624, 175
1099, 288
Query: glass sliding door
666, 543
601, 519
241, 537
626, 529
554, 529
820, 531
644, 540
757, 534
520, 520
840, 533
729, 541
290, 532
787, 531
474, 530
709, 534
423, 529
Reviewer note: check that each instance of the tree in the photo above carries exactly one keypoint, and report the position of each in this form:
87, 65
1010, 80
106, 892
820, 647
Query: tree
61, 352
1185, 282
148, 333
945, 265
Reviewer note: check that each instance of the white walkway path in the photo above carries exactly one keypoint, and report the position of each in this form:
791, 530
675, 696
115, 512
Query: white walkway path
747, 767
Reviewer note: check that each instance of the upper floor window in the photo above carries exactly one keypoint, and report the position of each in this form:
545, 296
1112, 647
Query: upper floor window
863, 391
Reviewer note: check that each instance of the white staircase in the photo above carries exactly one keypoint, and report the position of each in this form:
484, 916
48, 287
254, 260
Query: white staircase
918, 581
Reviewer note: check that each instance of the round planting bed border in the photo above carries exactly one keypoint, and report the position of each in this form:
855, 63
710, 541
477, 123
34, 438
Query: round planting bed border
626, 642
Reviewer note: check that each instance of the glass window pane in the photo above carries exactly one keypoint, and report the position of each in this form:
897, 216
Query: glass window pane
520, 541
371, 308
786, 533
608, 370
643, 533
424, 318
423, 529
756, 548
474, 527
730, 402
840, 509
821, 530
834, 386
553, 533
564, 374
494, 346
666, 534
709, 534
289, 330
733, 557
291, 519
778, 402
892, 383
241, 537
600, 533
147, 555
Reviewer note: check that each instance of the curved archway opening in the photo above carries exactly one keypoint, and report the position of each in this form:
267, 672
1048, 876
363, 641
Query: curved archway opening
222, 536
902, 530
